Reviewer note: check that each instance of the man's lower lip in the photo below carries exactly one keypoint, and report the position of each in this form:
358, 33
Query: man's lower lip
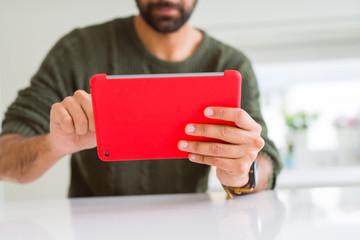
166, 11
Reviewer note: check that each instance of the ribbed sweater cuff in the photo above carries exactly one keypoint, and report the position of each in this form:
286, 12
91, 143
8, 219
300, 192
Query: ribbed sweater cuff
275, 168
17, 127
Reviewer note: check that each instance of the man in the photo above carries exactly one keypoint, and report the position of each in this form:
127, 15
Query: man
53, 117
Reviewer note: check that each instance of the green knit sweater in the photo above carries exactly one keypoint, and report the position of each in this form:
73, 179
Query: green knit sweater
114, 48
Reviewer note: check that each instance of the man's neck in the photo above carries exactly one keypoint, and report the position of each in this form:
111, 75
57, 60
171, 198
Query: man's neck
173, 47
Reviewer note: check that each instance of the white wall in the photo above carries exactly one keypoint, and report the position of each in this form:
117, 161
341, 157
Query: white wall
28, 30
268, 31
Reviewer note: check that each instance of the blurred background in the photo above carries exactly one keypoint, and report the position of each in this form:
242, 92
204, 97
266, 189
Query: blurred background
306, 55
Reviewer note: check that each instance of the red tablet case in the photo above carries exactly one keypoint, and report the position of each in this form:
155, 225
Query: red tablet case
144, 116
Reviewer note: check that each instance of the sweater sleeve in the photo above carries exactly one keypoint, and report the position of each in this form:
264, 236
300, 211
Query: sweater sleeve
250, 103
29, 114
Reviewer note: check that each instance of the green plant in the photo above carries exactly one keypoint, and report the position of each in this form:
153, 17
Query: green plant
299, 120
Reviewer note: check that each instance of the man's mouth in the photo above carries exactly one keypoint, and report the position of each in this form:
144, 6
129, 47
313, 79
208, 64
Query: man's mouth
166, 10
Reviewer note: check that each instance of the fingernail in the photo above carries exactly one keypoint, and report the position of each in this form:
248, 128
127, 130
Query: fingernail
183, 144
192, 157
190, 128
209, 112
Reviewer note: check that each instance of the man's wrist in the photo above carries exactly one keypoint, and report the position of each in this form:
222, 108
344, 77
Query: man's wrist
52, 148
249, 187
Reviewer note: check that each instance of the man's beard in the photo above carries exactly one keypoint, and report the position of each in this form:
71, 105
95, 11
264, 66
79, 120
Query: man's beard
165, 24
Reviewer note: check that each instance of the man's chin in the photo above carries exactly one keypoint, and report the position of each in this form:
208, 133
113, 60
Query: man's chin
166, 26
165, 23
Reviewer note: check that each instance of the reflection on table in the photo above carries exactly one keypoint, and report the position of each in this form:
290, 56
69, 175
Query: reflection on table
322, 213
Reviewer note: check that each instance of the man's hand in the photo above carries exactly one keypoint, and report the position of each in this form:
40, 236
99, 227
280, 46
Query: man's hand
72, 126
233, 158
24, 159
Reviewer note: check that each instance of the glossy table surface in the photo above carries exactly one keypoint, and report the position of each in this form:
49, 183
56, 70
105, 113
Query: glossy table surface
319, 213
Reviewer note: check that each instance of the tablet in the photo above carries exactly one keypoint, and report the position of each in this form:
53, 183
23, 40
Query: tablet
144, 116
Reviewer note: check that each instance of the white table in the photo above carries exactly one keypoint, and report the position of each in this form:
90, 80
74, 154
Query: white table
319, 213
